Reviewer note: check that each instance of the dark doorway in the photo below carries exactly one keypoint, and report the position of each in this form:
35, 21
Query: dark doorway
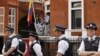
1, 44
23, 28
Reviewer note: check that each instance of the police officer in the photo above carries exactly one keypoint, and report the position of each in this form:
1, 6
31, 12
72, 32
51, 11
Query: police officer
22, 47
35, 47
90, 46
62, 42
10, 44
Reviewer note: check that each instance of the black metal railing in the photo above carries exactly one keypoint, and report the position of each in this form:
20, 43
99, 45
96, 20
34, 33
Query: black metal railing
50, 47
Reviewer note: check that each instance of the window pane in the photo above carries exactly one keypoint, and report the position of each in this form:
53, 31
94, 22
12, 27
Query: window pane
13, 12
12, 25
1, 19
13, 19
48, 7
1, 28
1, 11
76, 4
9, 19
9, 25
9, 11
76, 19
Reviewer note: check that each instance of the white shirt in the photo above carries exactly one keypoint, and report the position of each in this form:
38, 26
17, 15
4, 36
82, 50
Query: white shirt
47, 18
14, 43
82, 46
62, 45
37, 49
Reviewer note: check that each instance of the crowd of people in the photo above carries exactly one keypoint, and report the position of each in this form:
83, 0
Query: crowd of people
90, 46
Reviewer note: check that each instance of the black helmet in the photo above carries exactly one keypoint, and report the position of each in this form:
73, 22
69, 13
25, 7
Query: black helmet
34, 34
91, 26
59, 28
9, 29
19, 36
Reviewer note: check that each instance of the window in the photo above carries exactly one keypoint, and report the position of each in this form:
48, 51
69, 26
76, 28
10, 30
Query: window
2, 13
76, 15
48, 7
76, 19
76, 4
12, 17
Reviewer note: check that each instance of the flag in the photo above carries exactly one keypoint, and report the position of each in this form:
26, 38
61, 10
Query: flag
30, 12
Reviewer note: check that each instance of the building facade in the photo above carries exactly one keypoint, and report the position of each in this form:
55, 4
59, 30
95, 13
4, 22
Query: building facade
74, 15
13, 13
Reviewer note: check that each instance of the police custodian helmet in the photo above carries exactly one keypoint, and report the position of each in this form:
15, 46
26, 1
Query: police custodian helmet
9, 29
34, 34
59, 28
91, 26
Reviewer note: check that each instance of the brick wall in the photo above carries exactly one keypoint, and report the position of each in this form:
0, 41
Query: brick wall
92, 12
59, 13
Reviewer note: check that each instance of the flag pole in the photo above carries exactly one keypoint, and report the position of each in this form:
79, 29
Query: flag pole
34, 17
34, 11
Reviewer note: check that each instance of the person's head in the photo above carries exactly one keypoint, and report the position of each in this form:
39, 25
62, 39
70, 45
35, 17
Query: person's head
91, 29
59, 29
19, 36
33, 36
48, 14
8, 31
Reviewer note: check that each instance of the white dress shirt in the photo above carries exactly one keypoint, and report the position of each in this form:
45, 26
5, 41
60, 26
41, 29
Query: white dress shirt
37, 49
82, 46
47, 18
62, 45
14, 43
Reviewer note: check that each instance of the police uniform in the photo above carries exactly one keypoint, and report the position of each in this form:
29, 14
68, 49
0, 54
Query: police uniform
90, 43
22, 47
62, 42
10, 42
35, 47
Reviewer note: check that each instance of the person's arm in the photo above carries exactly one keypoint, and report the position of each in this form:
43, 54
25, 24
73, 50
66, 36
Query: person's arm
3, 49
59, 54
23, 53
14, 45
25, 49
98, 52
82, 52
37, 49
9, 51
86, 53
62, 47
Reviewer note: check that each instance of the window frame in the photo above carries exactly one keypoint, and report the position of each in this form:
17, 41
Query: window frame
12, 17
69, 31
70, 14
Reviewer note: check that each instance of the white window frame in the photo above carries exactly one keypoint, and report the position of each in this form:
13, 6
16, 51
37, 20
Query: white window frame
11, 16
2, 33
45, 4
39, 1
69, 13
69, 30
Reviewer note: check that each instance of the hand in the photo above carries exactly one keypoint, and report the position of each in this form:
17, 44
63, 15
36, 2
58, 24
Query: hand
24, 54
5, 54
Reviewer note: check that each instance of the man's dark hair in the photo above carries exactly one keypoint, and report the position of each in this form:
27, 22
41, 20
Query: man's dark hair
9, 29
62, 32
